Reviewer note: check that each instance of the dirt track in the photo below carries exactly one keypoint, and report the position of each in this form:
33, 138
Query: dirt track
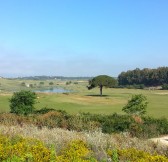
161, 140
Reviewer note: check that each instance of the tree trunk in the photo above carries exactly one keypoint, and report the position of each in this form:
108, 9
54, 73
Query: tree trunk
101, 87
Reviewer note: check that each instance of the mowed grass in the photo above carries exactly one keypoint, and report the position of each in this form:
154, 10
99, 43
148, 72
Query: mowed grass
83, 100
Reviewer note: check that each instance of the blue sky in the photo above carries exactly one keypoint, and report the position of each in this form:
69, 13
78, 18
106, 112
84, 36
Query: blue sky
82, 37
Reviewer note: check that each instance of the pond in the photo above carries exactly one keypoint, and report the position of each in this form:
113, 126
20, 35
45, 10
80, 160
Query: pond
54, 90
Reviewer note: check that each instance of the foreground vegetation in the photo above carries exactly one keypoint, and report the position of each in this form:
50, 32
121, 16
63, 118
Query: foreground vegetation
19, 144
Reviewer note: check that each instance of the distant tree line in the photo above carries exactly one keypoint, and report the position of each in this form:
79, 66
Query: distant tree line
147, 77
53, 77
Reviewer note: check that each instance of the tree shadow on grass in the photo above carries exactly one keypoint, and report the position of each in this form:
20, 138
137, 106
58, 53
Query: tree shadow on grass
97, 95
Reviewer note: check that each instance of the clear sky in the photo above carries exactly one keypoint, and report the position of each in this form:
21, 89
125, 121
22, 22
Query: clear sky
82, 37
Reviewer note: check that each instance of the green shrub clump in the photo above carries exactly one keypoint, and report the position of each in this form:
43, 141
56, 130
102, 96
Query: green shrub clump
165, 86
23, 102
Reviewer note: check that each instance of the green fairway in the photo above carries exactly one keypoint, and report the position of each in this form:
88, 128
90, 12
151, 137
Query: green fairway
83, 100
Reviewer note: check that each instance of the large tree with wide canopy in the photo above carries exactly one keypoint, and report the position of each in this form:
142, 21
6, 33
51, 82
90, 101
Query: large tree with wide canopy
102, 81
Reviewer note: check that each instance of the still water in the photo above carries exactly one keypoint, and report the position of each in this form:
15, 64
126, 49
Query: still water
54, 90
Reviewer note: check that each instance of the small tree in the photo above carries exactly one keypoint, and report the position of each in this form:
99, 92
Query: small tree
102, 81
136, 105
68, 82
41, 83
22, 102
51, 83
23, 84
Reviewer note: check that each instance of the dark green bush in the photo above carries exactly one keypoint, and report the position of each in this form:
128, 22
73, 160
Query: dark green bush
162, 124
23, 102
43, 110
136, 105
116, 123
51, 83
165, 86
41, 83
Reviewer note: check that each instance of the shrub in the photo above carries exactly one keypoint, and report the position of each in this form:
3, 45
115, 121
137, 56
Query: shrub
161, 124
14, 119
31, 85
68, 82
75, 123
52, 119
41, 83
76, 151
23, 84
18, 149
51, 83
136, 105
23, 149
116, 123
22, 102
165, 86
136, 155
44, 110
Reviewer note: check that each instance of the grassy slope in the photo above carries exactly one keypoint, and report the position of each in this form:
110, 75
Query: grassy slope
88, 101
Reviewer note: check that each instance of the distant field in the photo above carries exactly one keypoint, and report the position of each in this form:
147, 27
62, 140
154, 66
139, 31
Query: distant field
83, 100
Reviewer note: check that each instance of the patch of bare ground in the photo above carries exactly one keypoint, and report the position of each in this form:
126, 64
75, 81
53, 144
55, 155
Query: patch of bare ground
161, 140
5, 94
92, 100
82, 81
162, 93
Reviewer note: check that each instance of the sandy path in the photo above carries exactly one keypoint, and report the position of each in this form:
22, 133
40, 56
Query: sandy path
162, 140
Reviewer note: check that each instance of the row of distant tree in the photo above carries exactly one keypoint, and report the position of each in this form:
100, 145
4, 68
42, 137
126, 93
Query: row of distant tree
53, 77
147, 77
